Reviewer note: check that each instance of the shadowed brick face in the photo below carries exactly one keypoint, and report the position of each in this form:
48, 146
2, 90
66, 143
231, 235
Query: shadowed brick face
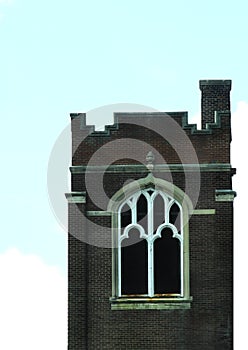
215, 97
207, 325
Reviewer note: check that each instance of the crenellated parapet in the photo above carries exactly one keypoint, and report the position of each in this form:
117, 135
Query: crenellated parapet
221, 120
163, 131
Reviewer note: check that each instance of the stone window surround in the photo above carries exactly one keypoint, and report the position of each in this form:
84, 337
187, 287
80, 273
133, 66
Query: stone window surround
122, 303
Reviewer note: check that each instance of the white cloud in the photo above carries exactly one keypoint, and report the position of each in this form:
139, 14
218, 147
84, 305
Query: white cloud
239, 130
33, 303
239, 149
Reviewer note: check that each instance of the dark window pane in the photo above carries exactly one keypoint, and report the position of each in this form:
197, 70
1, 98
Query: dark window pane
142, 212
134, 265
158, 212
175, 216
167, 264
126, 216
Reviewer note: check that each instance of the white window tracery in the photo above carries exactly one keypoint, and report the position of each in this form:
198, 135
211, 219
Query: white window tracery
150, 245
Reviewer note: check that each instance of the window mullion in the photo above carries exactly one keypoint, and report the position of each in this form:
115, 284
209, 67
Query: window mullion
151, 268
119, 255
182, 254
134, 211
150, 248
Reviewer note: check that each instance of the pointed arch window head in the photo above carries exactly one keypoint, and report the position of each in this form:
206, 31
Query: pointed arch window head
150, 246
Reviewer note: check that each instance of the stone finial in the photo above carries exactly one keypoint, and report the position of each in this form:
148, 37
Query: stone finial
150, 160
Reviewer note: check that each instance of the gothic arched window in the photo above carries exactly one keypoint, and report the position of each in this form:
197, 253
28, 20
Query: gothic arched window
150, 245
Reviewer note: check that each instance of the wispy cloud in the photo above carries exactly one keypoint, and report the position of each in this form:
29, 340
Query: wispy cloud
32, 303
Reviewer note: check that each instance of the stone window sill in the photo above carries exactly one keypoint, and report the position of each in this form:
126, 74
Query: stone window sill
150, 303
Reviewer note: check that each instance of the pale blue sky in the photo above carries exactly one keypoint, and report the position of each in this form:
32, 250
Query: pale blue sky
59, 57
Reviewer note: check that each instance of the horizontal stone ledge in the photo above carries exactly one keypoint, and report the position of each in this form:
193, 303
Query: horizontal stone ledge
76, 197
98, 213
109, 213
134, 168
203, 212
225, 195
150, 303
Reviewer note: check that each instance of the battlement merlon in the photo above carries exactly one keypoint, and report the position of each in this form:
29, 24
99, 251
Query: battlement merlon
215, 97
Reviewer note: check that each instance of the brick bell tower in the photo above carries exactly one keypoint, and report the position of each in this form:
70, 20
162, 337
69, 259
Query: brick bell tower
151, 230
